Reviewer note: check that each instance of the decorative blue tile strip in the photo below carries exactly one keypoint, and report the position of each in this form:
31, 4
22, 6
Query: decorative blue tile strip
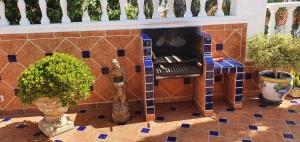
171, 139
103, 136
214, 133
209, 75
289, 122
160, 118
223, 120
207, 39
207, 48
224, 64
81, 128
196, 114
121, 53
253, 127
239, 83
58, 141
246, 140
12, 58
208, 106
149, 95
86, 54
185, 125
232, 70
288, 136
293, 102
145, 36
149, 87
292, 111
238, 98
148, 70
240, 69
209, 67
145, 130
209, 83
148, 63
209, 91
208, 59
217, 71
258, 115
6, 119
148, 52
150, 103
240, 76
208, 98
150, 110
48, 54
149, 79
239, 91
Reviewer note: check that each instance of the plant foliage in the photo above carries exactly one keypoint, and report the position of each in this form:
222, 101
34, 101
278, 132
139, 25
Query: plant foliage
274, 52
60, 75
296, 79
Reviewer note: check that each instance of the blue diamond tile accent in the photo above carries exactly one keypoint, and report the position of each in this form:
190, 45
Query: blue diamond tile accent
103, 136
230, 109
81, 128
196, 114
121, 53
145, 130
293, 102
86, 54
258, 115
289, 122
137, 68
214, 133
82, 111
223, 120
292, 111
248, 76
101, 117
12, 58
219, 46
171, 139
160, 118
288, 136
105, 70
58, 141
48, 54
184, 125
253, 127
6, 119
246, 140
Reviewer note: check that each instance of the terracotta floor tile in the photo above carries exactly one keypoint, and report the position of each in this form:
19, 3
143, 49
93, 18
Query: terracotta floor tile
223, 139
272, 125
267, 137
192, 135
240, 119
234, 131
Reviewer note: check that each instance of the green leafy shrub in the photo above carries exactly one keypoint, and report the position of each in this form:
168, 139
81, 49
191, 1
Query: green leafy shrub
274, 52
296, 79
61, 75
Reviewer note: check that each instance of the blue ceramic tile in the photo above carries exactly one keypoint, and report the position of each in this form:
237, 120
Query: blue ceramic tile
239, 91
172, 108
196, 114
121, 53
82, 111
171, 139
150, 103
207, 40
214, 133
86, 54
145, 130
225, 70
149, 71
209, 83
238, 98
209, 60
137, 68
209, 67
58, 141
217, 71
101, 117
149, 79
81, 128
145, 36
149, 95
105, 70
186, 81
240, 76
16, 92
160, 118
148, 63
207, 48
224, 64
219, 46
258, 115
223, 120
149, 87
48, 54
253, 127
230, 109
292, 111
150, 110
209, 91
232, 70
103, 136
209, 75
246, 140
208, 106
293, 102
289, 122
240, 69
6, 119
184, 125
248, 76
239, 83
12, 58
288, 136
234, 63
147, 43
208, 98
147, 52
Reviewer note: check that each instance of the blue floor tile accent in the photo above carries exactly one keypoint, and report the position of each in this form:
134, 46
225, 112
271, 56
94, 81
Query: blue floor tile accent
253, 127
81, 128
230, 109
258, 115
82, 111
145, 130
223, 120
214, 133
171, 139
6, 119
288, 136
102, 136
196, 114
289, 122
160, 118
292, 111
172, 108
293, 102
101, 117
246, 140
58, 141
262, 105
184, 125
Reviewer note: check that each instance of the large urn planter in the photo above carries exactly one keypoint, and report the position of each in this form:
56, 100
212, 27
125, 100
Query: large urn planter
274, 89
55, 120
295, 92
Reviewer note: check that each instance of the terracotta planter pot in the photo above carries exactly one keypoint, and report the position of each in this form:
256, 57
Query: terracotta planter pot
274, 90
295, 92
55, 120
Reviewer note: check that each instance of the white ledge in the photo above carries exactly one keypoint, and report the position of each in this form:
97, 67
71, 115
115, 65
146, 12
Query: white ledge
119, 25
283, 4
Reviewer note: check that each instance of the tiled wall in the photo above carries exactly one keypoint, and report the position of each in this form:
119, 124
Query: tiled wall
97, 48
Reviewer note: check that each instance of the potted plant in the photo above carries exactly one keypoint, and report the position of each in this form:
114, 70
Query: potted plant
296, 88
274, 53
54, 84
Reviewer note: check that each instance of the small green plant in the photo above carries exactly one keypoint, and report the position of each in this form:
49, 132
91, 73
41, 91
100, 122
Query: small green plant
58, 76
296, 79
274, 52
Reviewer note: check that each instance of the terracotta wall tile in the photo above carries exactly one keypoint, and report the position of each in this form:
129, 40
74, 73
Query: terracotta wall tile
11, 111
120, 42
235, 26
47, 45
67, 34
117, 32
13, 36
92, 33
85, 43
40, 35
135, 32
11, 73
29, 54
213, 27
11, 46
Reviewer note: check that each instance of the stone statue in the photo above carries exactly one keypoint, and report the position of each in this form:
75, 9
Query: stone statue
120, 113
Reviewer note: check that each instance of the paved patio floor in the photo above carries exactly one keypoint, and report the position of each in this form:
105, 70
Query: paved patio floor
178, 122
